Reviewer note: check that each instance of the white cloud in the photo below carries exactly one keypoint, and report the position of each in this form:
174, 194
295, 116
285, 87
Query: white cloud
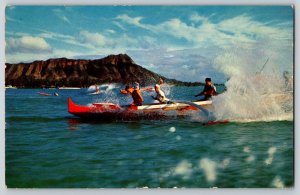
224, 34
119, 25
197, 18
27, 44
24, 57
181, 64
130, 20
60, 14
174, 48
247, 41
95, 39
30, 57
111, 31
88, 44
251, 29
69, 39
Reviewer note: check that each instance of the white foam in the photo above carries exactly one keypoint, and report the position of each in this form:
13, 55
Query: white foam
92, 88
184, 169
108, 93
172, 129
226, 162
277, 182
246, 149
178, 137
209, 167
109, 87
250, 159
271, 152
166, 88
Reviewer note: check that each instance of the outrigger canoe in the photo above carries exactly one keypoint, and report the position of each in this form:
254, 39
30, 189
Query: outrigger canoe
110, 111
44, 94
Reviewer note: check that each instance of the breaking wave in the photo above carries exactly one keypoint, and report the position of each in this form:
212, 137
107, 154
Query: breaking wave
254, 93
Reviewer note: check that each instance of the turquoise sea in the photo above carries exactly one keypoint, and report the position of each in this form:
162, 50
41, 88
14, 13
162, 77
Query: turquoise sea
46, 147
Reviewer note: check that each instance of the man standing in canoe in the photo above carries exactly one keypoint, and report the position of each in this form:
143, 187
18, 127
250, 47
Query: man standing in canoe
208, 91
135, 94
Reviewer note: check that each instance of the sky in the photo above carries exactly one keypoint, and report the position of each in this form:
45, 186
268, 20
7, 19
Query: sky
187, 43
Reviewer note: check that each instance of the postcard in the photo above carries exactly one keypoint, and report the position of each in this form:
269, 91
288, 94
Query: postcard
149, 96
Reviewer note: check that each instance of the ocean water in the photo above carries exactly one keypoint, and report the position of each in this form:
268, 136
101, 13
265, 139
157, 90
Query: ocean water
46, 147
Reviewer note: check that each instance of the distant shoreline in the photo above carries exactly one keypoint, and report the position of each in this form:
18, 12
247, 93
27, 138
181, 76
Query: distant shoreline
86, 87
73, 73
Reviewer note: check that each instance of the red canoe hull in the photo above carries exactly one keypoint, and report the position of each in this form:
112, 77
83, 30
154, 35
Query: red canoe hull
106, 111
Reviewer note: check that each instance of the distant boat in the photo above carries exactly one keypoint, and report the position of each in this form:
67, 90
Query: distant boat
69, 88
44, 94
10, 87
48, 94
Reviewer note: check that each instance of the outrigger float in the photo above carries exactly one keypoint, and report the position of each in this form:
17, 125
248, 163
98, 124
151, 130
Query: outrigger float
110, 111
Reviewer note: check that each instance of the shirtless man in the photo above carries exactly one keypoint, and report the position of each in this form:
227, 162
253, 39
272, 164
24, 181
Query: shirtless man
135, 94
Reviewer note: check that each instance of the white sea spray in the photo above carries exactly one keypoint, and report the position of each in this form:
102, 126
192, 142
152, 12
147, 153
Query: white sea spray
172, 129
277, 182
254, 92
210, 169
178, 137
225, 163
250, 158
184, 169
246, 149
271, 152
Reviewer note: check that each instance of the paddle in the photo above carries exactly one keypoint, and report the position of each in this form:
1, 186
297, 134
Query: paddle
210, 120
205, 111
263, 67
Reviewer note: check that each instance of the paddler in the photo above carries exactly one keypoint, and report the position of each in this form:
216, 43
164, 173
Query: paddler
161, 81
135, 94
160, 95
208, 91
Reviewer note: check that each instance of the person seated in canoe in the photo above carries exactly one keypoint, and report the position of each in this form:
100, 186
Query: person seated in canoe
208, 91
160, 95
135, 94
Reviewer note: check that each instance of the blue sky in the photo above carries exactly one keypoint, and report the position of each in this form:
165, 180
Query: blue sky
187, 43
